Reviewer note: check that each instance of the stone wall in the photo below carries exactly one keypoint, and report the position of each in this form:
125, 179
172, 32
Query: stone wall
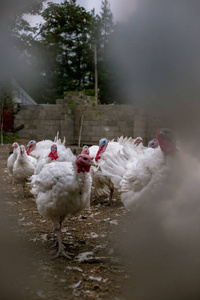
43, 122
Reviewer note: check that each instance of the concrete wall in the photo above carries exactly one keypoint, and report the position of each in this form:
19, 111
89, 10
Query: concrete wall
43, 122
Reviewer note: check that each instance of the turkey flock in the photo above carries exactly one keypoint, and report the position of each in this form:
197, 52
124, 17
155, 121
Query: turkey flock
61, 182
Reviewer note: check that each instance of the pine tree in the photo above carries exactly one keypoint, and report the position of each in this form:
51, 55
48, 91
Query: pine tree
64, 41
107, 24
105, 75
16, 35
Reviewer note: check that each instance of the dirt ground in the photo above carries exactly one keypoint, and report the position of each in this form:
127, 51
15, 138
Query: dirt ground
95, 271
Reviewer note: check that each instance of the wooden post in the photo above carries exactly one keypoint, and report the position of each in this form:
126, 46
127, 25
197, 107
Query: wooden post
80, 126
96, 73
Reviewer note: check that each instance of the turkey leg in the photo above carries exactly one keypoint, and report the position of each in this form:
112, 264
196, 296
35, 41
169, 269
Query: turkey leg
61, 251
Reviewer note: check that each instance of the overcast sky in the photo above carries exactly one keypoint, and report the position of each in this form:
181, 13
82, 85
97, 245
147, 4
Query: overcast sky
120, 9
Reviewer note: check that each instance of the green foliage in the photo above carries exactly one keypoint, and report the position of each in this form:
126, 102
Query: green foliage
19, 41
5, 98
14, 16
64, 41
58, 54
82, 101
90, 92
8, 138
107, 23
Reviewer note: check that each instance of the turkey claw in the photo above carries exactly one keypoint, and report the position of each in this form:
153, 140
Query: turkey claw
63, 253
109, 203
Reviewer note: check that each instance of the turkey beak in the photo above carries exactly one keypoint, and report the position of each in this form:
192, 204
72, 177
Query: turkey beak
92, 163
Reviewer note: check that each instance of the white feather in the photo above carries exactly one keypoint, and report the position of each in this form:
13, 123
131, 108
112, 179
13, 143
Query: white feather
101, 181
12, 158
23, 167
136, 175
60, 190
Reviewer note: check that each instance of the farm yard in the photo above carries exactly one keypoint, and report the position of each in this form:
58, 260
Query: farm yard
96, 270
100, 76
150, 252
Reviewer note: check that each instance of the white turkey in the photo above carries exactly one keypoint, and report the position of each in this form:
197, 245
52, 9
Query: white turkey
138, 145
12, 158
138, 140
41, 149
138, 177
102, 182
153, 143
61, 189
135, 144
56, 154
127, 141
36, 149
85, 150
23, 167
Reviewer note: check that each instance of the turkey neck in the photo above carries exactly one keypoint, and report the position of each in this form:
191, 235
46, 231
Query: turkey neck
82, 178
15, 152
22, 158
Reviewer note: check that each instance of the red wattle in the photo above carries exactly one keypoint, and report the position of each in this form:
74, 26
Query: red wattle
98, 156
82, 169
53, 156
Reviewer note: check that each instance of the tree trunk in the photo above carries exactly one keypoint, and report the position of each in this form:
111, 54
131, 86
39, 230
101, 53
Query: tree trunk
96, 73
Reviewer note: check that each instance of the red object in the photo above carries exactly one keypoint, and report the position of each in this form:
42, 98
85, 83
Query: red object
81, 165
153, 144
31, 146
85, 150
53, 154
7, 119
166, 141
138, 140
103, 143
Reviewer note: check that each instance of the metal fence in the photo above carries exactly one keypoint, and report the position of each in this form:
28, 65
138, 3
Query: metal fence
20, 96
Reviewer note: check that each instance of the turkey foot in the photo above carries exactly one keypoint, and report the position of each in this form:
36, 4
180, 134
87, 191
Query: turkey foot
110, 202
61, 251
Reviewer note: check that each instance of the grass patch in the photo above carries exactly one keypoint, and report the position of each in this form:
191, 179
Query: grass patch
8, 138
